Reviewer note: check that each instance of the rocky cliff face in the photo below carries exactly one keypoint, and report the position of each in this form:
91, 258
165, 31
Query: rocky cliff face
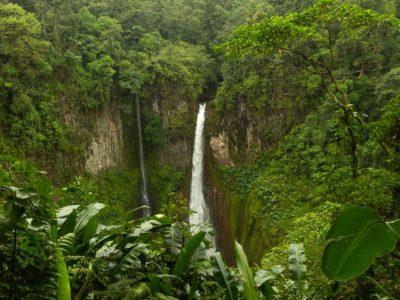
243, 129
106, 145
219, 145
238, 140
101, 137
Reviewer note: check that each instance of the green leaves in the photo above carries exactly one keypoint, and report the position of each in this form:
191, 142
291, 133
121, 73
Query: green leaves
297, 268
281, 33
131, 258
357, 237
262, 278
249, 285
67, 243
85, 215
66, 220
63, 287
252, 287
158, 286
223, 276
185, 257
70, 221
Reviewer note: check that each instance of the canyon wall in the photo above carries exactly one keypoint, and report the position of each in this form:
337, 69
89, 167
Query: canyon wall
235, 137
100, 138
106, 145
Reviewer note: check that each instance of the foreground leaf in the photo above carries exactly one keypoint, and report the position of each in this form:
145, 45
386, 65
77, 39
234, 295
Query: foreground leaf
262, 278
357, 237
63, 286
249, 285
67, 224
185, 257
158, 286
86, 214
223, 276
297, 267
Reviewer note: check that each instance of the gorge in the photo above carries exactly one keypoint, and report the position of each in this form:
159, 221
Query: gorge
131, 129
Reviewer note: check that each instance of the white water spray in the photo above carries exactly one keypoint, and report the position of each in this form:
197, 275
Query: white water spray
143, 186
198, 205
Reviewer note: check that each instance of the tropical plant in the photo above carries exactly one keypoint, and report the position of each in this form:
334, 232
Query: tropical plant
298, 269
358, 236
224, 276
261, 284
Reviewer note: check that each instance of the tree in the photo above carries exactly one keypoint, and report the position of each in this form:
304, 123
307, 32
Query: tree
22, 50
312, 38
25, 73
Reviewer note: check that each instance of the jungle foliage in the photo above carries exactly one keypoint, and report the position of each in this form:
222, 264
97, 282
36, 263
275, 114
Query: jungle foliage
307, 94
327, 69
64, 252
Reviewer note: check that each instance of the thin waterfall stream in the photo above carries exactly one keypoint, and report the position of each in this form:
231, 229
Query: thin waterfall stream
143, 185
200, 212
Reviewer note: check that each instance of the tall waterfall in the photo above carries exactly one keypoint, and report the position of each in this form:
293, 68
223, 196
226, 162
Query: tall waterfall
143, 185
197, 201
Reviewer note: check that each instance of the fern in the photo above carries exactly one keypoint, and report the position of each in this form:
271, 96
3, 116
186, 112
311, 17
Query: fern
67, 243
130, 259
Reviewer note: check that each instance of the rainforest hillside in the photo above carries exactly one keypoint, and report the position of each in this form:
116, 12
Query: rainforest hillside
176, 149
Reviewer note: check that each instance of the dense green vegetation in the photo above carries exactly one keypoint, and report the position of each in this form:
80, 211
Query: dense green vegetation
50, 252
341, 89
304, 95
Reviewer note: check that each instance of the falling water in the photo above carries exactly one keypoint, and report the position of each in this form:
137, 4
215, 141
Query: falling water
198, 204
143, 186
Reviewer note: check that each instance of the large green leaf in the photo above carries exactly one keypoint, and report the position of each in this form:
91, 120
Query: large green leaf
64, 212
86, 214
297, 267
262, 279
89, 231
145, 227
357, 237
157, 285
223, 276
249, 285
395, 226
63, 286
185, 256
173, 237
67, 224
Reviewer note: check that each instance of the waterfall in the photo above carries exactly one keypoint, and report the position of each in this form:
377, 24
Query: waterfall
198, 204
143, 185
